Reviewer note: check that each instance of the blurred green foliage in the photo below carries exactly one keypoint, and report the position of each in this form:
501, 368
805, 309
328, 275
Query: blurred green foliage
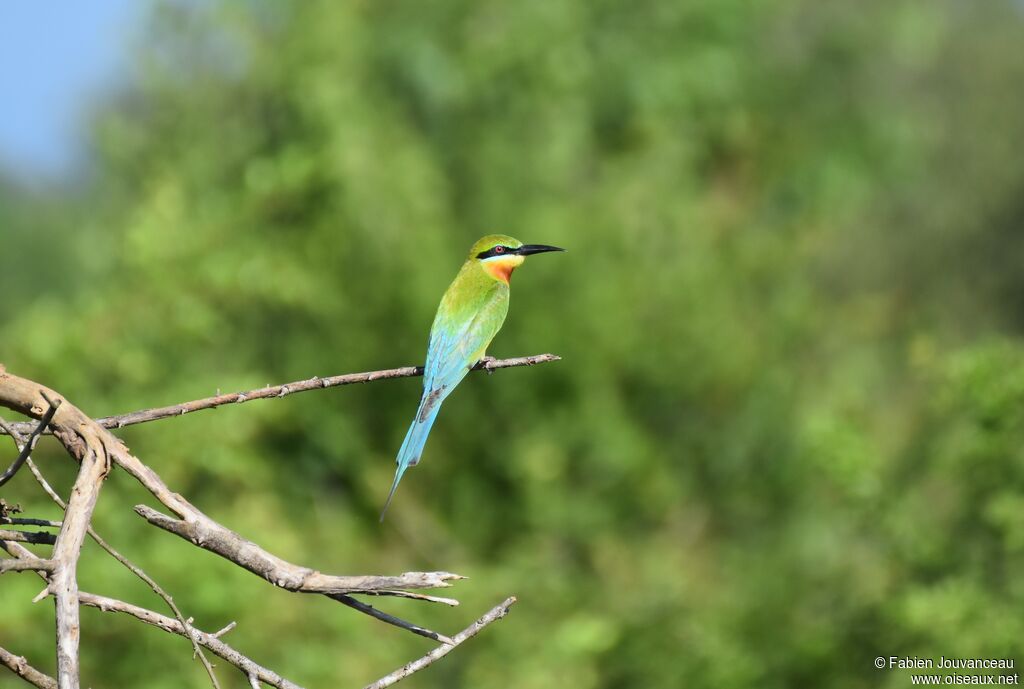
787, 435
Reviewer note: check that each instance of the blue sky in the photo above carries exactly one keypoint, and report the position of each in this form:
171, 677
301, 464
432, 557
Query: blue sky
56, 58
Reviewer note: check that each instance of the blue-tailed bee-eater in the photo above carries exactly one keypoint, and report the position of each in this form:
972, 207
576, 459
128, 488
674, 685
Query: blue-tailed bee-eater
470, 315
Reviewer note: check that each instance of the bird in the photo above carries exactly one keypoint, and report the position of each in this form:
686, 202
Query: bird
471, 313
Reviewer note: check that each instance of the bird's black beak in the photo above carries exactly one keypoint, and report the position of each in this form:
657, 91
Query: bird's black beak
527, 249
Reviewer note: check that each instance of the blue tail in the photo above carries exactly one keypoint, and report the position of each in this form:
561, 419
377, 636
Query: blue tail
415, 439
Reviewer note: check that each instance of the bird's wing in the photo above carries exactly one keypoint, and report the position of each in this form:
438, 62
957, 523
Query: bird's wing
456, 343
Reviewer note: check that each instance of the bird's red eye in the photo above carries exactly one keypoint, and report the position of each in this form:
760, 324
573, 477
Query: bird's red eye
499, 249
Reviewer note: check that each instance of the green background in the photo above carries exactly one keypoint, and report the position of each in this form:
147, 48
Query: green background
787, 432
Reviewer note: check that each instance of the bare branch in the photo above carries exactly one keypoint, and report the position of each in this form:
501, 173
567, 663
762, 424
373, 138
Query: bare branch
31, 442
27, 536
96, 450
472, 630
283, 390
199, 529
64, 581
25, 521
90, 445
137, 571
414, 596
209, 641
202, 531
389, 619
19, 666
27, 564
224, 630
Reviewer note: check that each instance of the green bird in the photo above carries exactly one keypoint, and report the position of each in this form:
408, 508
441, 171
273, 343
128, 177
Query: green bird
471, 313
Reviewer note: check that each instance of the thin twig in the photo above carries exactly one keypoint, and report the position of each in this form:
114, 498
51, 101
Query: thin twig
283, 390
19, 666
389, 619
45, 484
31, 442
224, 630
414, 596
8, 429
25, 521
209, 641
472, 630
27, 536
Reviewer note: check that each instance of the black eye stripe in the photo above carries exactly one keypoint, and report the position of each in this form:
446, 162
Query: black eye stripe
505, 250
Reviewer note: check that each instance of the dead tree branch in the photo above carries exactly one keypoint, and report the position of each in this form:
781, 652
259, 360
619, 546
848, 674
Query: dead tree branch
96, 449
27, 536
285, 389
209, 641
24, 521
30, 444
19, 666
90, 445
202, 531
25, 450
389, 619
134, 569
472, 630
26, 564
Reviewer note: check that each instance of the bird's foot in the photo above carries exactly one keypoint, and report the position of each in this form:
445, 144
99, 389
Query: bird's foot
485, 364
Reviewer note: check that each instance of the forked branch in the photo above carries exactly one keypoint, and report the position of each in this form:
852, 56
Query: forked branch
210, 641
90, 442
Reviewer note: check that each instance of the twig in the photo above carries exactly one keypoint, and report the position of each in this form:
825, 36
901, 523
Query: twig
31, 442
137, 571
389, 619
168, 624
472, 630
45, 485
171, 625
274, 391
25, 521
26, 564
19, 666
414, 596
27, 536
224, 630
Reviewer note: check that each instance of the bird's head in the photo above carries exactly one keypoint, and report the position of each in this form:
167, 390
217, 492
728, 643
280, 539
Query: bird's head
499, 254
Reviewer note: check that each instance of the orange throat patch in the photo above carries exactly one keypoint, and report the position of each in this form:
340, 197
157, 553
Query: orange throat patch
501, 268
